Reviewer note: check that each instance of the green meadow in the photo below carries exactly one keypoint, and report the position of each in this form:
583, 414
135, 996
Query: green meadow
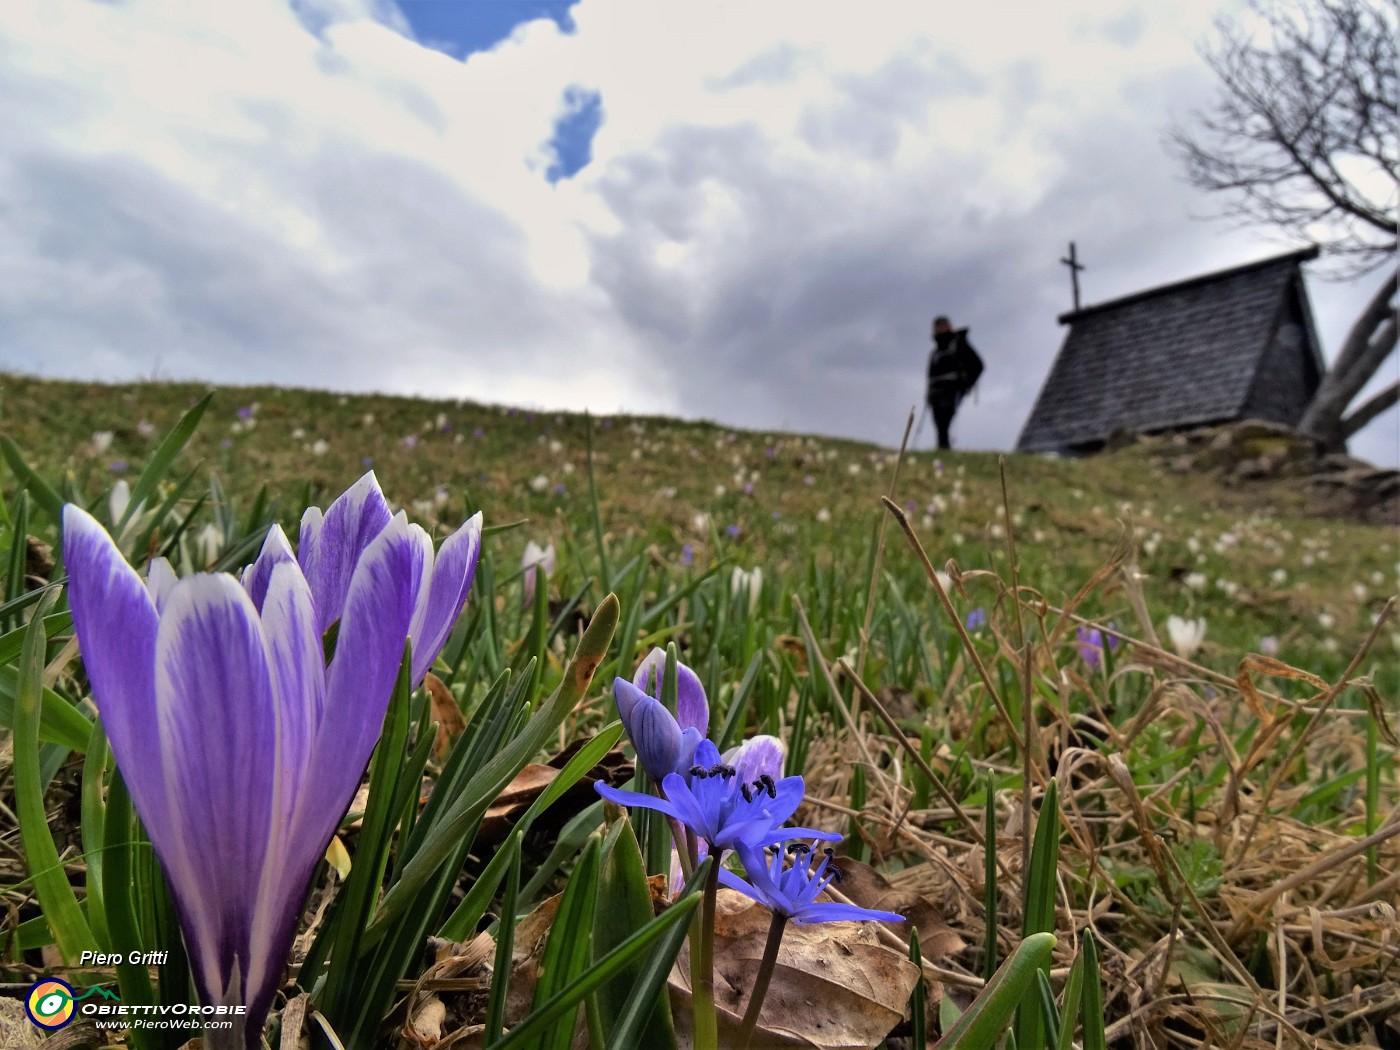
1151, 713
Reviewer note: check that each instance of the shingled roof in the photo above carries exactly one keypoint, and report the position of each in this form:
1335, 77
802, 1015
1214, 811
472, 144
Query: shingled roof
1223, 346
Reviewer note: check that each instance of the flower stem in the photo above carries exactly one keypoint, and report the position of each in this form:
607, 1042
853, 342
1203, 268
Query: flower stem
702, 964
760, 984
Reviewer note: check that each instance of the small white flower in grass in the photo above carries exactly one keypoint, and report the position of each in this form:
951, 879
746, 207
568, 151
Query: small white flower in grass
539, 483
823, 515
719, 491
118, 500
853, 469
701, 523
146, 429
320, 447
1329, 644
1268, 645
1326, 621
1228, 587
101, 441
1195, 580
944, 580
1360, 591
208, 545
1186, 635
750, 583
298, 434
535, 560
1279, 576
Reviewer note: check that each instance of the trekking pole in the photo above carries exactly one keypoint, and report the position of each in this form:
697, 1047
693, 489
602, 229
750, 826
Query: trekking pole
919, 429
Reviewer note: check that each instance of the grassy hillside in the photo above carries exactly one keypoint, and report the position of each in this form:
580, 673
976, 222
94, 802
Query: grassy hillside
1191, 780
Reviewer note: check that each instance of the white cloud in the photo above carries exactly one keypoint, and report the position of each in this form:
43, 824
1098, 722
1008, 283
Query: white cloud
781, 195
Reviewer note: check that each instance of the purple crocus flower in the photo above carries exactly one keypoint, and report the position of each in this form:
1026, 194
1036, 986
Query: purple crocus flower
333, 542
720, 809
240, 747
792, 891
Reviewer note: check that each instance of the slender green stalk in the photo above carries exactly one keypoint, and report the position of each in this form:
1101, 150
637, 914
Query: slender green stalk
760, 984
702, 965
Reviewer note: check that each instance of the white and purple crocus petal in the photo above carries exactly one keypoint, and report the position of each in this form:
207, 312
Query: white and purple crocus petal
453, 570
240, 749
692, 707
331, 543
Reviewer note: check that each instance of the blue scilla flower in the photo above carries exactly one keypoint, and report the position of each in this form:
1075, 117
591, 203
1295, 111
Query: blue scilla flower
792, 891
722, 810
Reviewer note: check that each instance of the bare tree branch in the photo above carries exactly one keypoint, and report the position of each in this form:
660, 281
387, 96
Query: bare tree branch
1370, 409
1303, 135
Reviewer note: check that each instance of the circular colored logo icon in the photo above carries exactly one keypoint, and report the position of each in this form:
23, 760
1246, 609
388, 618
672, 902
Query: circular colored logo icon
50, 1003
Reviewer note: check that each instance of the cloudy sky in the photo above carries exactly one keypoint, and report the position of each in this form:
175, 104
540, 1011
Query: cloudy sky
742, 211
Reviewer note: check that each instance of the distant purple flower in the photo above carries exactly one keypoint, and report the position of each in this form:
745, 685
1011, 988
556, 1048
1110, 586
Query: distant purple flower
241, 749
793, 891
938, 466
775, 515
732, 530
687, 555
410, 441
807, 479
226, 443
245, 412
478, 432
1090, 641
748, 488
977, 619
367, 462
560, 489
118, 465
771, 451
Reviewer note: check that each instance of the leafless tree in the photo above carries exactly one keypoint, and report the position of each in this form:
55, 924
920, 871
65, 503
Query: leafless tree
1303, 137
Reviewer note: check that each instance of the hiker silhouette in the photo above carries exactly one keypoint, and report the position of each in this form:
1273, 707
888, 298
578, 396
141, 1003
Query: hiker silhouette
953, 370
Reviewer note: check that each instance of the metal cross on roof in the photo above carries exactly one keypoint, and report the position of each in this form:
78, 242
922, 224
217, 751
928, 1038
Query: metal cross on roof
1074, 267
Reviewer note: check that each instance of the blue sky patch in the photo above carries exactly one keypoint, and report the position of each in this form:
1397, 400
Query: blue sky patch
573, 133
460, 27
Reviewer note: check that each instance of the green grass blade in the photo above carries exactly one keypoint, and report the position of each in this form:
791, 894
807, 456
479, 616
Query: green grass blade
505, 942
624, 906
1049, 1013
983, 1023
918, 1022
71, 932
989, 880
44, 494
1069, 1007
649, 989
162, 459
59, 722
569, 950
567, 999
1040, 904
1092, 997
491, 779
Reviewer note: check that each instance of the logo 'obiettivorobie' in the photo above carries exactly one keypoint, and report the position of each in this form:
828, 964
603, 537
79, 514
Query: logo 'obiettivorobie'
52, 1004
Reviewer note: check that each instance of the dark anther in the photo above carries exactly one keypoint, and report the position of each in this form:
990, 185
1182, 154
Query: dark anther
744, 790
835, 872
766, 782
799, 847
698, 771
829, 851
721, 770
